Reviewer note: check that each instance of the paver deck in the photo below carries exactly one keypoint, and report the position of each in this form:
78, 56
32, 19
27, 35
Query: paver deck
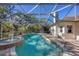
71, 47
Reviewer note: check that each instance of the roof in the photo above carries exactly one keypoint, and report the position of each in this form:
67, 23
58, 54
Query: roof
70, 19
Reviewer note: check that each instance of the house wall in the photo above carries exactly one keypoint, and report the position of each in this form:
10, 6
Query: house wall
61, 34
69, 36
77, 30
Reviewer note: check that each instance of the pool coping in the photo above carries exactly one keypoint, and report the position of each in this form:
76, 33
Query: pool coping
10, 44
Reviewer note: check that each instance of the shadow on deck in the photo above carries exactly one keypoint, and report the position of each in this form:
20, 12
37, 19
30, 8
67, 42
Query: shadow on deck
69, 47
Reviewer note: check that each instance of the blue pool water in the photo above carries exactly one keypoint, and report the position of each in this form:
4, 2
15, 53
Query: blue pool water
36, 45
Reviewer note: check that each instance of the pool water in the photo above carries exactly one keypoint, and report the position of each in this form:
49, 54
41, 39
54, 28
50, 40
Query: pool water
35, 45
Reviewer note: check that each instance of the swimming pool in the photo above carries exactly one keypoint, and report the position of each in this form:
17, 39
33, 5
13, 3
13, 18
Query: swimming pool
35, 45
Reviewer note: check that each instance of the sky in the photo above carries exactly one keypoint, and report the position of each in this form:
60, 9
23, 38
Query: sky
46, 9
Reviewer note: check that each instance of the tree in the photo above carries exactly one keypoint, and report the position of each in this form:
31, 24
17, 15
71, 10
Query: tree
36, 28
5, 11
24, 19
46, 29
7, 27
21, 30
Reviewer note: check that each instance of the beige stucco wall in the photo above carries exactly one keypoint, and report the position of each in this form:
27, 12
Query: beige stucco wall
69, 36
77, 30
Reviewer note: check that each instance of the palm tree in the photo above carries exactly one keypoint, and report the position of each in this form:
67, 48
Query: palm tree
7, 27
21, 30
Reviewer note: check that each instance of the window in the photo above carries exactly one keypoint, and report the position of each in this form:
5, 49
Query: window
69, 28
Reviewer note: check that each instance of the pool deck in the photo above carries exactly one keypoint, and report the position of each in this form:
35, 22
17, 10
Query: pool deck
7, 47
71, 47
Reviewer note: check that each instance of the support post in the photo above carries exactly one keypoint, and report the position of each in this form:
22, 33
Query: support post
55, 20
